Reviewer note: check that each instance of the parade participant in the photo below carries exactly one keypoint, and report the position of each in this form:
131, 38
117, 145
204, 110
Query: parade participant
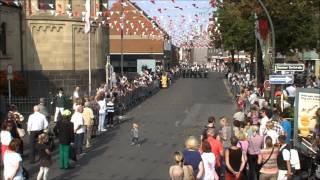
6, 136
12, 162
209, 162
60, 102
79, 129
135, 134
44, 156
65, 132
283, 159
268, 161
193, 157
179, 171
235, 161
37, 123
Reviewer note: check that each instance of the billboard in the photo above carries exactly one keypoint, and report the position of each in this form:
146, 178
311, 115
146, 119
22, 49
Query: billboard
307, 102
146, 63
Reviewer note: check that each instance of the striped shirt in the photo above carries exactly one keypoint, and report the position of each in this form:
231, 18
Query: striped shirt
110, 107
271, 166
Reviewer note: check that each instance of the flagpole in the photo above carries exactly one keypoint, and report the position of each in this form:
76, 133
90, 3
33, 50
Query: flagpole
89, 44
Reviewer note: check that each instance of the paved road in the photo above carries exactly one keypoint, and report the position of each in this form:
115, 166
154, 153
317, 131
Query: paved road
165, 119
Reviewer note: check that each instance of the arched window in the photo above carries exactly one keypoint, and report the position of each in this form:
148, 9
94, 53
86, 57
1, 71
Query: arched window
3, 39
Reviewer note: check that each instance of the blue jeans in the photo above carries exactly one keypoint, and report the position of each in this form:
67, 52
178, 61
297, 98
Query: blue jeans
78, 142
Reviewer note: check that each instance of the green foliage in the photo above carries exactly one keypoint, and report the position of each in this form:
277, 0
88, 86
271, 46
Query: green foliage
296, 23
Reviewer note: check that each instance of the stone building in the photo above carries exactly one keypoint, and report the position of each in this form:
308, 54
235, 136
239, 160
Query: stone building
10, 36
56, 48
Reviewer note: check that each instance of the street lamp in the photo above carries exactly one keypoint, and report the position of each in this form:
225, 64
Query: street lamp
273, 47
121, 43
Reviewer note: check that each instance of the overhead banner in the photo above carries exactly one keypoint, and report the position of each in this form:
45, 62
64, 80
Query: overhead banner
307, 104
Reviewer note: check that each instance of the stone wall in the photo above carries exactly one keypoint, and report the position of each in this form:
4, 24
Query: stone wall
40, 83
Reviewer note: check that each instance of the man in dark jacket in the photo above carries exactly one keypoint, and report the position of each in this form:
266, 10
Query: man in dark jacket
64, 131
60, 102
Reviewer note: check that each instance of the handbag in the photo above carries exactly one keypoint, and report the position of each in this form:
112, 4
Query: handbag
262, 164
21, 132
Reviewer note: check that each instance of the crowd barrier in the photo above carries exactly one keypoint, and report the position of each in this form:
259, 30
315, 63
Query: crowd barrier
133, 98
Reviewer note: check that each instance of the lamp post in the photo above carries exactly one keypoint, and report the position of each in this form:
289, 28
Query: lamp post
121, 43
273, 48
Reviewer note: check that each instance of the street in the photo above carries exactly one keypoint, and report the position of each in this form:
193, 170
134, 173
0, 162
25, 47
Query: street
165, 120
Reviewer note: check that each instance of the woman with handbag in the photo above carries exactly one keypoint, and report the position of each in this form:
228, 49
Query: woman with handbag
268, 161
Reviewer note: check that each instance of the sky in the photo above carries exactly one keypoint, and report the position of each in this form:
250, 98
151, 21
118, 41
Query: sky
181, 19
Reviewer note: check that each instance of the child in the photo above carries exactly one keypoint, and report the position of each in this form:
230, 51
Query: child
135, 134
44, 155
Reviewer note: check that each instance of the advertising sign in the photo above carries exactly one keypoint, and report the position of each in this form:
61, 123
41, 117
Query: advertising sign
307, 104
147, 64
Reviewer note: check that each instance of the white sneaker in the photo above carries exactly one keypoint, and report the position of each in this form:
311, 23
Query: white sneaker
104, 130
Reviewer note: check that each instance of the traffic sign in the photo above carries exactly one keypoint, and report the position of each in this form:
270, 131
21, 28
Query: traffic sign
9, 72
281, 79
289, 67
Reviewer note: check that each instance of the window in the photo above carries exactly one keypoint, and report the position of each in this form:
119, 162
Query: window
47, 4
3, 39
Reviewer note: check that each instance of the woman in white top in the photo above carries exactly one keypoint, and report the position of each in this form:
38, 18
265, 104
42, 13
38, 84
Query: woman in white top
12, 162
209, 162
6, 136
102, 111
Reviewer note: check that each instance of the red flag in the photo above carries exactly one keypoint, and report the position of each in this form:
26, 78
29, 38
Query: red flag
263, 28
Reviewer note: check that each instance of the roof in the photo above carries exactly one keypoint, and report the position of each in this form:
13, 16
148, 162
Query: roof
136, 21
10, 3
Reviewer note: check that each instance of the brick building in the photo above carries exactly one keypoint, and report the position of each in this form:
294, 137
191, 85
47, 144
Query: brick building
142, 37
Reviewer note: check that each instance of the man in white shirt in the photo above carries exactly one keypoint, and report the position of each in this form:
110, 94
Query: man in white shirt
37, 123
283, 160
79, 129
263, 121
291, 91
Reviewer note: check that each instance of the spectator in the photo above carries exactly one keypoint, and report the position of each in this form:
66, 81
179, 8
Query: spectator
88, 119
110, 112
12, 162
65, 132
226, 132
263, 121
37, 123
193, 157
254, 147
209, 162
235, 161
6, 136
43, 109
270, 132
283, 159
79, 129
102, 112
217, 149
286, 125
45, 156
179, 171
268, 161
211, 122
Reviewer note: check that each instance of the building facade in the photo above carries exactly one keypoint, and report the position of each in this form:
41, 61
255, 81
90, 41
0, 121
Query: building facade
134, 35
56, 48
